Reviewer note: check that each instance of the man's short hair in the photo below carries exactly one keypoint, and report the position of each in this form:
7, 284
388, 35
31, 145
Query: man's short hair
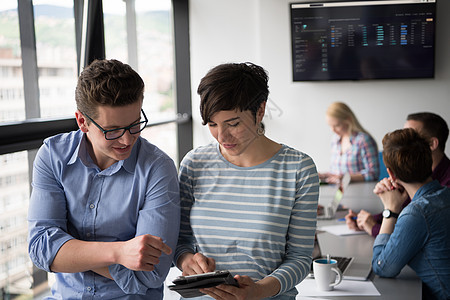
107, 83
433, 126
408, 155
232, 86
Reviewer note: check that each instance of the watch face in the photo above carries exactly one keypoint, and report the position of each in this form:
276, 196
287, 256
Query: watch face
386, 213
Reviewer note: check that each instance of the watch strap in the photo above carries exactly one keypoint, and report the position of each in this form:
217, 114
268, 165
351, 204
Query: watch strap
390, 214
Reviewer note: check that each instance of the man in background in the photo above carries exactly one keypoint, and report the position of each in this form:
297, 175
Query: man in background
433, 128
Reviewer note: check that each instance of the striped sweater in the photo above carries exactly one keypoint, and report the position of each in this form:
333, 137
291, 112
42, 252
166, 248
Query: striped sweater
257, 221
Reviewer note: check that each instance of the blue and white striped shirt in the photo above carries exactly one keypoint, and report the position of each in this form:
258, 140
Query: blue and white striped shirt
257, 221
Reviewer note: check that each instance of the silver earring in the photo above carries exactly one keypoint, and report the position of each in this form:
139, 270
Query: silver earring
261, 130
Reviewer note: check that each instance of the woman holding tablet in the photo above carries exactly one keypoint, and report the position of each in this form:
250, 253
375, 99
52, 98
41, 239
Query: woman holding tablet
248, 203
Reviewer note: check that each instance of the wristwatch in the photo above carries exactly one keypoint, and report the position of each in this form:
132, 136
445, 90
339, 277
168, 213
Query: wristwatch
388, 214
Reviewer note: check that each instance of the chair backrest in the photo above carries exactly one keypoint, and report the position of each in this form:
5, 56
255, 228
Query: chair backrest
383, 172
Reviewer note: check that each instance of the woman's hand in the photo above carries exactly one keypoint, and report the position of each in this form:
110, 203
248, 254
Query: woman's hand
392, 194
197, 263
247, 290
330, 178
393, 200
385, 185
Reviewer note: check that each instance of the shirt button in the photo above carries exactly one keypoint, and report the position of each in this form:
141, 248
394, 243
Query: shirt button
88, 234
92, 205
89, 288
379, 262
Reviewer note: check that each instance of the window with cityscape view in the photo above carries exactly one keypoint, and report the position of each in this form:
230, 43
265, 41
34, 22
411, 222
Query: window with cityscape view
57, 75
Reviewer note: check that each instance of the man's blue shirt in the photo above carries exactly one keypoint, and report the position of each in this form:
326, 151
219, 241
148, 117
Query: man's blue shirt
421, 239
73, 199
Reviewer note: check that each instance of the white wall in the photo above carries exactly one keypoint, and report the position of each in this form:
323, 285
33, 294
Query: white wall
259, 31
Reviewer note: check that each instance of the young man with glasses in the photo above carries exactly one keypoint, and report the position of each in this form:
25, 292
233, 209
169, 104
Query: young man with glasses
104, 210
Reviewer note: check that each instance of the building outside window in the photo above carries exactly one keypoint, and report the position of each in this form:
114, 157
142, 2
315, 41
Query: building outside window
57, 75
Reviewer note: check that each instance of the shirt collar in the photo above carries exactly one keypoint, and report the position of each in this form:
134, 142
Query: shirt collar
129, 164
82, 153
425, 189
351, 137
441, 169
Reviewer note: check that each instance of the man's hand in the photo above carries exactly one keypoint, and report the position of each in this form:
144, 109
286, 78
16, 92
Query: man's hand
365, 221
142, 252
350, 220
197, 263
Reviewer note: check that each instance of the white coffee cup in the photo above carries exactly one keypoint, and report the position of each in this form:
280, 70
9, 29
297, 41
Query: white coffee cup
326, 274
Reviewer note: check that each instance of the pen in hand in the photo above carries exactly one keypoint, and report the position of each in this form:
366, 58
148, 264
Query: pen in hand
343, 219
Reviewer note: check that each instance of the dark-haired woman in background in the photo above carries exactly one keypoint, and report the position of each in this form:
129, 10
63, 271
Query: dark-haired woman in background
248, 203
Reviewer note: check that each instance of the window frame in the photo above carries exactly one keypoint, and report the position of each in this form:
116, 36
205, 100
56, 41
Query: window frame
30, 133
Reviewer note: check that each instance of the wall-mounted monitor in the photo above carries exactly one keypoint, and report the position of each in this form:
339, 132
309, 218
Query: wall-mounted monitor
357, 40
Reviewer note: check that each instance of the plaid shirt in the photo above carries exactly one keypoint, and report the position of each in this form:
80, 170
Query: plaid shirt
361, 157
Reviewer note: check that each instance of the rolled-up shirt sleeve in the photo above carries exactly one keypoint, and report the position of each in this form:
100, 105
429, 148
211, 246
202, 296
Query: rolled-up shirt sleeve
160, 216
391, 252
47, 214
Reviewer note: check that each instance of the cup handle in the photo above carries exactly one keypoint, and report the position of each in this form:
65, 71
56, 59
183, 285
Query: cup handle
338, 276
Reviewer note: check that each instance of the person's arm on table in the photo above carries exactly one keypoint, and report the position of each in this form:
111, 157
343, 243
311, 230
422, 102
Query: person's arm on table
350, 220
365, 221
357, 177
398, 240
333, 178
378, 218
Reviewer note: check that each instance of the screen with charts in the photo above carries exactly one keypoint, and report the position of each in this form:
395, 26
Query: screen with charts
358, 40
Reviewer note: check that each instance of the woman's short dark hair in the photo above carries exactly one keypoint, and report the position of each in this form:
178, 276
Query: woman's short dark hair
109, 83
408, 155
232, 86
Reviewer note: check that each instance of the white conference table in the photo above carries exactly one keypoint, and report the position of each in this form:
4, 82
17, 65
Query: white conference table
357, 196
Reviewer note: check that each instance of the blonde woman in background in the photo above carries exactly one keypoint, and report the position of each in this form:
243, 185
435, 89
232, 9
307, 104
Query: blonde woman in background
353, 150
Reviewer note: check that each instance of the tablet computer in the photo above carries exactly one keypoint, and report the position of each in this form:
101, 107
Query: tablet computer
188, 286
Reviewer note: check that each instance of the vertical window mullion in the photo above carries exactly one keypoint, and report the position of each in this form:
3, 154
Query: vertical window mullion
132, 34
182, 74
29, 59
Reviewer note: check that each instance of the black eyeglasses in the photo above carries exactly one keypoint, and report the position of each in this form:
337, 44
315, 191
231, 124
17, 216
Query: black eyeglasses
113, 134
